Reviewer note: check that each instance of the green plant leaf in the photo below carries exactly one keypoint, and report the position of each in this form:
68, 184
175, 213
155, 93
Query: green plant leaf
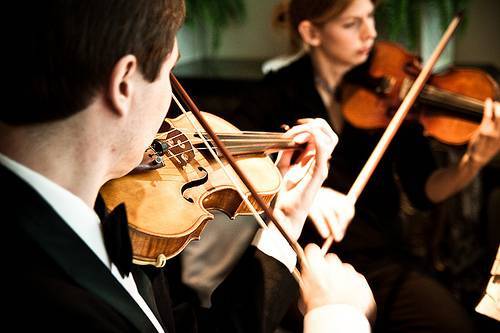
400, 20
214, 16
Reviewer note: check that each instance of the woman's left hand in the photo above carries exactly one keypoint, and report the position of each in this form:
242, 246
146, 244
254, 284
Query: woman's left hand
485, 143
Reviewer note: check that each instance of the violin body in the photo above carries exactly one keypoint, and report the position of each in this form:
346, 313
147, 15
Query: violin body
450, 106
169, 206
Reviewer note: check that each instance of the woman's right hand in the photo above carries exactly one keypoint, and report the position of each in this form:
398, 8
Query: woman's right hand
331, 211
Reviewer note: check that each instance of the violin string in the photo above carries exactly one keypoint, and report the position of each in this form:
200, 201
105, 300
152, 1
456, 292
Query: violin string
235, 137
244, 133
255, 148
245, 139
186, 130
241, 143
236, 148
233, 150
268, 144
231, 178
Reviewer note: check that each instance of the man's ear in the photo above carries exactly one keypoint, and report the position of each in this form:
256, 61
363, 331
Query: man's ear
310, 33
121, 84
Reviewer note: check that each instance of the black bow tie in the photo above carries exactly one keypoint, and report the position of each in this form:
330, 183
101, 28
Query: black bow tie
117, 239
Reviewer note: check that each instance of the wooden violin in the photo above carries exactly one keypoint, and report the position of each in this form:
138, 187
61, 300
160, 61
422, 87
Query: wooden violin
450, 106
168, 197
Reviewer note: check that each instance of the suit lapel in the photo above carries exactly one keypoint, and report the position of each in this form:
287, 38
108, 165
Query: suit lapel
58, 240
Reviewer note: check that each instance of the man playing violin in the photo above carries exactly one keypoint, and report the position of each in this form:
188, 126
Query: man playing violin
338, 36
92, 87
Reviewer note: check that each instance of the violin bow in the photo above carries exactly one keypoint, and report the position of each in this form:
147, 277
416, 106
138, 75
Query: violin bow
225, 152
397, 120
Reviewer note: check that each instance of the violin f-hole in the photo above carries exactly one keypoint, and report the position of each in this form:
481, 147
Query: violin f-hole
194, 183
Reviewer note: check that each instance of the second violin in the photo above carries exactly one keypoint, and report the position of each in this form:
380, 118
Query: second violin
450, 106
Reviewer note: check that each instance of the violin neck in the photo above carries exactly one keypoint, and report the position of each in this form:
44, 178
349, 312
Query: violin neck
459, 105
247, 143
179, 146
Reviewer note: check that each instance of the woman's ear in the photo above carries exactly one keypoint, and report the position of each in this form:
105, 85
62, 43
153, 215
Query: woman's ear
122, 85
309, 33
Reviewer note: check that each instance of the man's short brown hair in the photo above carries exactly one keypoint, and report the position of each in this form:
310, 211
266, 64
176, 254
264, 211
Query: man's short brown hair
65, 50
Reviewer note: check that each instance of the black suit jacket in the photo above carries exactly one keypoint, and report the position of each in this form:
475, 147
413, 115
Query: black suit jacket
54, 282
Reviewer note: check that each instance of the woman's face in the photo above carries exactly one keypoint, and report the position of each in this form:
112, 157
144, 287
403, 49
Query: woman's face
348, 38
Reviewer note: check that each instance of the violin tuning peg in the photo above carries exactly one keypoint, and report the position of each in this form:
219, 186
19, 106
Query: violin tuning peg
159, 159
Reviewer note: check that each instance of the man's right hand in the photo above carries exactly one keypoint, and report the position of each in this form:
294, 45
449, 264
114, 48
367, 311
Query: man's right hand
327, 281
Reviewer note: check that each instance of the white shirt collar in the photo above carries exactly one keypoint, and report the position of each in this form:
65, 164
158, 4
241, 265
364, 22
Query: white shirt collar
80, 217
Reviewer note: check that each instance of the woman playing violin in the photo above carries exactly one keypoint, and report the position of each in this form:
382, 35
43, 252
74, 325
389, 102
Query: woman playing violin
338, 35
